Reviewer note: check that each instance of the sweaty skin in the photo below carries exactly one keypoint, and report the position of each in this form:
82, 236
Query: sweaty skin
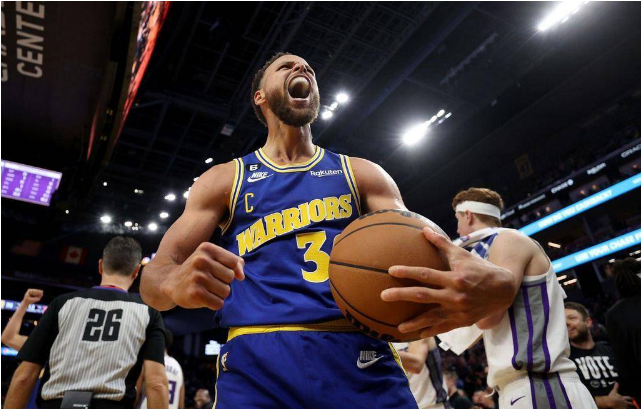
193, 273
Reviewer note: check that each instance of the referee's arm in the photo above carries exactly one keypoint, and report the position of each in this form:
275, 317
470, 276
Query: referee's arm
153, 353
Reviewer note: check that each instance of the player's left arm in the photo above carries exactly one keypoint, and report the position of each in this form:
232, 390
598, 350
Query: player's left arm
22, 383
377, 190
512, 251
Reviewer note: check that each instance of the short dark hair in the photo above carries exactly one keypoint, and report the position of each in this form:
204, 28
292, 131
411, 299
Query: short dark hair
451, 374
256, 84
122, 255
169, 339
579, 308
627, 277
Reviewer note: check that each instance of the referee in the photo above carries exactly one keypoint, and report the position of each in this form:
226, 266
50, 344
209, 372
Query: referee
95, 343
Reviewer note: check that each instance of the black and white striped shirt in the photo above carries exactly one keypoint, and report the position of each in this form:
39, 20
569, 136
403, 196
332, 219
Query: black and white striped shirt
95, 340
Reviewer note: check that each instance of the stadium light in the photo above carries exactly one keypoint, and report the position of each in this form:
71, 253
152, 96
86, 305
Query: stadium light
152, 226
105, 219
342, 98
415, 133
128, 224
67, 211
104, 183
440, 113
560, 14
164, 215
326, 115
554, 245
170, 197
333, 106
186, 194
209, 160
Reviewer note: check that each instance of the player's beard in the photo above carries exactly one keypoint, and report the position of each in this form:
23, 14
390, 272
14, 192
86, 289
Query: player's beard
292, 116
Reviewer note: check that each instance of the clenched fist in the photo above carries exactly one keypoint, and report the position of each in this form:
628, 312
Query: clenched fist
203, 280
32, 295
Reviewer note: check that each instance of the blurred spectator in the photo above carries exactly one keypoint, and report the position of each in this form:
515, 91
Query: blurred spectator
595, 363
457, 397
623, 326
203, 400
483, 398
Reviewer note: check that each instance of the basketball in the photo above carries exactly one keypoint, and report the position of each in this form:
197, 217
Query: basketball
359, 264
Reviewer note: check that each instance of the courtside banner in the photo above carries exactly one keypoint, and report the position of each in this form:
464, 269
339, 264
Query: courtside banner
585, 204
597, 251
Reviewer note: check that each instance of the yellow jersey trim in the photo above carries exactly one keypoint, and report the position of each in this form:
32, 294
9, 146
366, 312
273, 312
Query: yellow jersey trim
236, 189
395, 354
340, 325
218, 362
347, 171
298, 167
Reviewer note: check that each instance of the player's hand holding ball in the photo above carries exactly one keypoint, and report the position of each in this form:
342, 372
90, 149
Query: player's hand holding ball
472, 290
204, 278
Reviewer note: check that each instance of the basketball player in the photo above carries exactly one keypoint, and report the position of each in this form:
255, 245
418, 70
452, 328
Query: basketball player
526, 345
280, 209
95, 343
426, 376
174, 377
11, 335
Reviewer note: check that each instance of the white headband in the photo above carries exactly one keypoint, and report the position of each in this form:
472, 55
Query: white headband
479, 208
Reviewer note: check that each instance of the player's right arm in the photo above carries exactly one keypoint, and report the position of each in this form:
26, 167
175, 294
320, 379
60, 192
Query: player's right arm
415, 358
188, 270
11, 335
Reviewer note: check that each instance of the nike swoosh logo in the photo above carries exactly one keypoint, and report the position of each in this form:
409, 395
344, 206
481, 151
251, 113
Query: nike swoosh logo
256, 180
512, 402
363, 365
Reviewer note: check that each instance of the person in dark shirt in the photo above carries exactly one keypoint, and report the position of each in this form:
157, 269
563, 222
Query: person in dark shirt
456, 398
594, 360
623, 326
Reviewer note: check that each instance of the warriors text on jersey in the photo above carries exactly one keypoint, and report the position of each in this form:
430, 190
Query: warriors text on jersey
283, 220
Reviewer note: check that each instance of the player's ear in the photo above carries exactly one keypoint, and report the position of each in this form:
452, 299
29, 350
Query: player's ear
259, 97
589, 322
469, 217
100, 266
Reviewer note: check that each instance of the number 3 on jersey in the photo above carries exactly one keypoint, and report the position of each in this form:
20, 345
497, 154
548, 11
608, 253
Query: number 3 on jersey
315, 255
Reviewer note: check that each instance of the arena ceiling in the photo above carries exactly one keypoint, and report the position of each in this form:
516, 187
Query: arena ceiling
511, 90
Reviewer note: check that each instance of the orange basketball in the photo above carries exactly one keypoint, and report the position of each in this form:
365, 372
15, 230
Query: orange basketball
359, 266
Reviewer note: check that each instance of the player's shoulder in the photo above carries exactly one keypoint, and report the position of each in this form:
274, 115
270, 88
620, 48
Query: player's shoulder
512, 236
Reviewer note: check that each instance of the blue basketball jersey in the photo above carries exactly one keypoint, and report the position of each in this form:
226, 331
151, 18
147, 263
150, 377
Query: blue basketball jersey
283, 221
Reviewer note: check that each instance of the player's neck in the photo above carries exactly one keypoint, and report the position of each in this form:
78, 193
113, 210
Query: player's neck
289, 144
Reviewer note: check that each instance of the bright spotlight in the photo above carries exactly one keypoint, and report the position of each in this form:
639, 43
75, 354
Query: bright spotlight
105, 219
560, 14
66, 211
441, 113
415, 133
448, 115
170, 197
164, 215
139, 191
104, 183
342, 98
128, 224
152, 226
209, 160
334, 106
195, 179
186, 194
326, 115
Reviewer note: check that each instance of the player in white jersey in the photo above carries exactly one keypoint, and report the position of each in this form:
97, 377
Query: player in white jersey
527, 345
422, 361
174, 378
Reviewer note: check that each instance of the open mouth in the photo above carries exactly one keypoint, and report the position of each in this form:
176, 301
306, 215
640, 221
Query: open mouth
299, 88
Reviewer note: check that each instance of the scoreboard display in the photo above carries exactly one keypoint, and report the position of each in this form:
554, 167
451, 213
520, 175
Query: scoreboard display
28, 183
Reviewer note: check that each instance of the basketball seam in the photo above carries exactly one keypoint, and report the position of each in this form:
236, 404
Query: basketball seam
377, 270
377, 224
360, 313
